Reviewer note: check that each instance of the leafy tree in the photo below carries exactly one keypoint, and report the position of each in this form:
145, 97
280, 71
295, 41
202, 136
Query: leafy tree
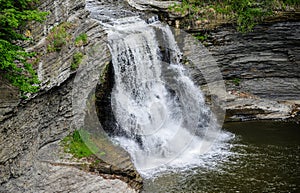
14, 60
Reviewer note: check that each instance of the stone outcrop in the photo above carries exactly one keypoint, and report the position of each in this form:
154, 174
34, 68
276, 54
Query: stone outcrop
30, 157
9, 99
151, 5
58, 172
261, 68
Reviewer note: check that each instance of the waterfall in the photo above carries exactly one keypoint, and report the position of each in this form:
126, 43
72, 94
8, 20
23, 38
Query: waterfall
160, 112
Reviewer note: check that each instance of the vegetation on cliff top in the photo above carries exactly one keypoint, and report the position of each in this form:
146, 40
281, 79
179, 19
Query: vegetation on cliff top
15, 62
244, 13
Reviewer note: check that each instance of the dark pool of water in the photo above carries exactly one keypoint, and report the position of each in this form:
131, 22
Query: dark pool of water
263, 157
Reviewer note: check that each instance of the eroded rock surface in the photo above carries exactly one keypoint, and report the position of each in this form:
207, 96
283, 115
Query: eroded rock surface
261, 69
55, 171
30, 157
152, 5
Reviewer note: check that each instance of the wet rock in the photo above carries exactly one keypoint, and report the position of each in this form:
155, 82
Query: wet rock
245, 109
264, 53
280, 89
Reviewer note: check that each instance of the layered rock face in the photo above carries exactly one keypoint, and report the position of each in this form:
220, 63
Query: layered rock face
267, 59
262, 69
31, 159
9, 99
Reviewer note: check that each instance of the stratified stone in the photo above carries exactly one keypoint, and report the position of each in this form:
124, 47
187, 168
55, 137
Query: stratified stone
31, 129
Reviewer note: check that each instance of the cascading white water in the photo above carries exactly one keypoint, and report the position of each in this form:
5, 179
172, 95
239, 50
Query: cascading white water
158, 107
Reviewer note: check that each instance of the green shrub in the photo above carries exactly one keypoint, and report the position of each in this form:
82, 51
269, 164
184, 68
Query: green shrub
15, 62
58, 37
249, 13
80, 40
77, 59
201, 37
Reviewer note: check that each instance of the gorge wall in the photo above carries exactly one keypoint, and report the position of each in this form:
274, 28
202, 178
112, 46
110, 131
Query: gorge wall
31, 159
266, 60
261, 69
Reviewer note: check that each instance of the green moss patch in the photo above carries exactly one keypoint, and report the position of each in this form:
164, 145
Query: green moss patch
76, 144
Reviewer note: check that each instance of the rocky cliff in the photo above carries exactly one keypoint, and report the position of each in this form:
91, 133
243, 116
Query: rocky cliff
31, 159
261, 68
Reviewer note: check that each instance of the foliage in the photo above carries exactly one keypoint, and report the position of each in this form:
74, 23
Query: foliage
236, 81
14, 60
291, 2
15, 67
58, 37
249, 12
201, 37
16, 14
245, 13
77, 59
75, 145
80, 40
